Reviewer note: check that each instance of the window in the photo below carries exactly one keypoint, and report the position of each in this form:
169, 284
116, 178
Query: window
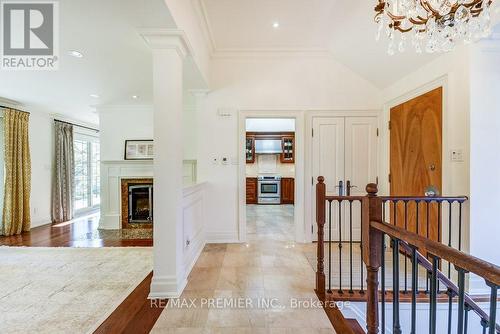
87, 172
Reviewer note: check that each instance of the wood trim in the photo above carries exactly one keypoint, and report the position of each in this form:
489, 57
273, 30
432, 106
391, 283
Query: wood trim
282, 155
270, 135
125, 183
487, 270
339, 323
287, 190
252, 185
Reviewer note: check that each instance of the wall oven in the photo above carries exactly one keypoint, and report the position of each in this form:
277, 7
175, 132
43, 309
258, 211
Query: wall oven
269, 190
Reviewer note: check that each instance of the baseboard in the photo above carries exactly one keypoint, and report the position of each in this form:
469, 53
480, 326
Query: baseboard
222, 237
109, 222
166, 287
41, 223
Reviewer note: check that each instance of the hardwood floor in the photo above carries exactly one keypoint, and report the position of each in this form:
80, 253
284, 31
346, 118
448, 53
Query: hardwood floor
80, 232
134, 314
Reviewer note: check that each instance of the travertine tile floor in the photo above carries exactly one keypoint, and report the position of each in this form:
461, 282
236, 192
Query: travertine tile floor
267, 284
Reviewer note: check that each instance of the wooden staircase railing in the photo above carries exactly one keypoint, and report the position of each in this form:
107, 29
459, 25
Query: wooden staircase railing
417, 249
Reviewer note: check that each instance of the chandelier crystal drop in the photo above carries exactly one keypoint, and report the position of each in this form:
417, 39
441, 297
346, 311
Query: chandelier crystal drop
431, 25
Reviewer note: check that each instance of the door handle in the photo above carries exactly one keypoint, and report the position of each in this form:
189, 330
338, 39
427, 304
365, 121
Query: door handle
349, 187
341, 188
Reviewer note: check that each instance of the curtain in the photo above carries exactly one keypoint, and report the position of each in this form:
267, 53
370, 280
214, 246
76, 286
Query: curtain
63, 185
16, 208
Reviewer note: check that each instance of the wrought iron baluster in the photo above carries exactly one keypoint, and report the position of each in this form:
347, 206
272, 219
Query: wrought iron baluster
466, 319
414, 289
329, 246
350, 246
340, 247
361, 259
433, 296
396, 325
450, 306
459, 226
493, 307
406, 254
484, 324
382, 273
450, 205
428, 213
461, 304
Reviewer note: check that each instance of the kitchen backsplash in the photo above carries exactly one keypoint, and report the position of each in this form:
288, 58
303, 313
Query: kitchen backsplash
269, 164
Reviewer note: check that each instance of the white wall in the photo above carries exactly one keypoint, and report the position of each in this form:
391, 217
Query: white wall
41, 132
267, 84
119, 123
270, 125
485, 153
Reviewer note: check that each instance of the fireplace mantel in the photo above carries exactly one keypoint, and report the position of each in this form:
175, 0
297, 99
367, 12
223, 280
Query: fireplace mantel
112, 172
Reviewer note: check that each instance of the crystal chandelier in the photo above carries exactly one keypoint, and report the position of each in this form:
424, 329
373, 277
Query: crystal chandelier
433, 25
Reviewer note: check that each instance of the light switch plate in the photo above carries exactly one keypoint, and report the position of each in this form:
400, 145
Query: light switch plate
457, 155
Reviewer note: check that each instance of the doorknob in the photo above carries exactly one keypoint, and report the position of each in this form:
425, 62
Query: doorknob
341, 188
348, 187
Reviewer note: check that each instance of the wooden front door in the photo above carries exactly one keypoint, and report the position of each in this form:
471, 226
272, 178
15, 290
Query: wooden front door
415, 159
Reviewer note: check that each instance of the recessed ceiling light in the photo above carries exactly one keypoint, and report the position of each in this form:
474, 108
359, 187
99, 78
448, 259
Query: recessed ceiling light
76, 54
95, 96
135, 97
276, 25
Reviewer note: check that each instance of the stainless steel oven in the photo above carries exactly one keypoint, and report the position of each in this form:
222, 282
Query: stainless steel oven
269, 190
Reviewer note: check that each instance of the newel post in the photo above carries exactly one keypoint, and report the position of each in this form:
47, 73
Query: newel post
320, 220
372, 248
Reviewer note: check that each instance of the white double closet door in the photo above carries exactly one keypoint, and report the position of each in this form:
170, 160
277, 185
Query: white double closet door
344, 149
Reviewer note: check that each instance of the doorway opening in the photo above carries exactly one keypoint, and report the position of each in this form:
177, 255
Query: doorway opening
270, 153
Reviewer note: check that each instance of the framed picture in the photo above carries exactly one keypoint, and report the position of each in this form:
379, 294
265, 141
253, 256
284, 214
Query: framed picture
139, 149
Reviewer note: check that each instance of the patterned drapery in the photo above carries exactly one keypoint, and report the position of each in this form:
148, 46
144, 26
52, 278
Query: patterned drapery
63, 185
16, 208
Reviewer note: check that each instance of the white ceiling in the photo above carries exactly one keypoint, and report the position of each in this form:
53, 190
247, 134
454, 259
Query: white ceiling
116, 65
345, 28
117, 62
248, 25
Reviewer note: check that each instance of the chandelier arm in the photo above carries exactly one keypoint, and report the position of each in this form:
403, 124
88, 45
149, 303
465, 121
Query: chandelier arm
420, 21
395, 17
402, 29
429, 8
473, 3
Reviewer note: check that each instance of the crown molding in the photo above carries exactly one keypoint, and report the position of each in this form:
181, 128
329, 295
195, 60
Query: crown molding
271, 52
161, 39
10, 103
206, 27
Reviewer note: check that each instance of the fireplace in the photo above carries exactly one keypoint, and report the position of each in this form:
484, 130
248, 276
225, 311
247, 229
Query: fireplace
137, 203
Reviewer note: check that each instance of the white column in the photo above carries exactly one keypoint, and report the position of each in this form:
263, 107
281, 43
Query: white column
484, 156
169, 50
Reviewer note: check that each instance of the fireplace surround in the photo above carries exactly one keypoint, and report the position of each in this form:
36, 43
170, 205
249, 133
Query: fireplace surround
137, 203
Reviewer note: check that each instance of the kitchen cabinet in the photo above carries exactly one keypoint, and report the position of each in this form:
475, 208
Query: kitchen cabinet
288, 145
287, 190
250, 149
252, 190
